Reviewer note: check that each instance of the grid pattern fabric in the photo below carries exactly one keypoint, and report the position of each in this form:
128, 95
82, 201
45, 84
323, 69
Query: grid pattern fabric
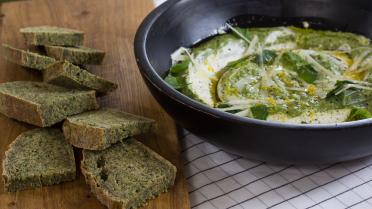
218, 180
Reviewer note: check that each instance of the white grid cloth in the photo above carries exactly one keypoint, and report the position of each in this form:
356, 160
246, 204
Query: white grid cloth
218, 180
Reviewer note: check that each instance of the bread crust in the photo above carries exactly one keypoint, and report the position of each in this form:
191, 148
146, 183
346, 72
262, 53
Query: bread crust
40, 113
47, 35
27, 58
84, 136
21, 110
160, 158
79, 56
65, 74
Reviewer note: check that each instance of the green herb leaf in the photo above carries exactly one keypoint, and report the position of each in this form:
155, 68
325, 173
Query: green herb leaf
260, 111
267, 57
339, 85
350, 96
242, 33
175, 82
307, 73
222, 105
359, 114
292, 60
234, 111
304, 70
180, 67
236, 63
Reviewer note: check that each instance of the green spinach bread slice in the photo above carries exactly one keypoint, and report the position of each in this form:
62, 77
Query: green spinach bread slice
26, 58
51, 35
36, 158
76, 55
127, 174
71, 76
97, 130
43, 104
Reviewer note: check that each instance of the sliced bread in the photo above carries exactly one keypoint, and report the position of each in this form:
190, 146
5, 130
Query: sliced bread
127, 174
76, 55
36, 158
97, 130
51, 35
43, 104
26, 58
71, 76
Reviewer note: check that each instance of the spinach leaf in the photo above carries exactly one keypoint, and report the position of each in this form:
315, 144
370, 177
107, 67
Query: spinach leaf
234, 111
234, 64
307, 73
222, 105
175, 76
339, 85
225, 105
351, 96
240, 33
260, 111
180, 67
244, 32
359, 114
290, 59
175, 82
296, 63
266, 57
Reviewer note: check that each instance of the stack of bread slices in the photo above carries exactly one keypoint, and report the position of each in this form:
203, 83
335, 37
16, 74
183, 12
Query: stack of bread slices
122, 172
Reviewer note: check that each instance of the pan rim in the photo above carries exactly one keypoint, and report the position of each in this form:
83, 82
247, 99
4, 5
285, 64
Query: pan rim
150, 74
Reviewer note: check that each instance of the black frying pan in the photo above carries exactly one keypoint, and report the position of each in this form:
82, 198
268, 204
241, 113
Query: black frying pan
186, 22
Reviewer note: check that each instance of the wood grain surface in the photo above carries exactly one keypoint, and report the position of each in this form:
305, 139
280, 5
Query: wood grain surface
109, 25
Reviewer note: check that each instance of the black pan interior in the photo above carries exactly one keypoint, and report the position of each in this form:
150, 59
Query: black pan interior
188, 22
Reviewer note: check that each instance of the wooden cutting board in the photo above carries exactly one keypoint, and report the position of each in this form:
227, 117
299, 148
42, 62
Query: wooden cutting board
109, 25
